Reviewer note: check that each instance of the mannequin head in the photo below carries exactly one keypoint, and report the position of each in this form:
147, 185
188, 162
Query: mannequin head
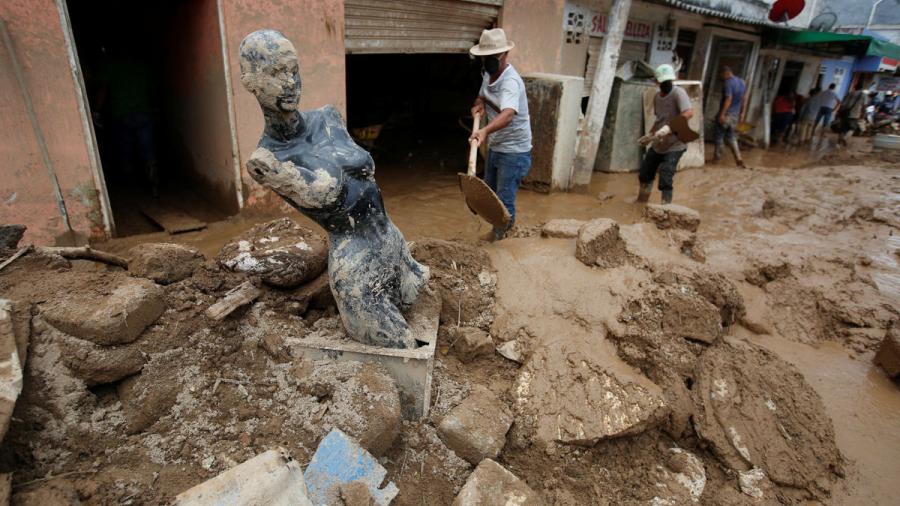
270, 70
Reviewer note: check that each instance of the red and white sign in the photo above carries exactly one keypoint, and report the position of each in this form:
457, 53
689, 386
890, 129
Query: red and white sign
888, 64
634, 30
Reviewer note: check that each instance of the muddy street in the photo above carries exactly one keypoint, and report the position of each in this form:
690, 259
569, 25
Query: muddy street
719, 351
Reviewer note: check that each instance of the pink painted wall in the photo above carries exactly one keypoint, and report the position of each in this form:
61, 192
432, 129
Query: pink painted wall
26, 195
316, 27
536, 28
196, 88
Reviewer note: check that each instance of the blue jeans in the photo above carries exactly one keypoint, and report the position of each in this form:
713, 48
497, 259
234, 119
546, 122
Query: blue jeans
503, 173
823, 114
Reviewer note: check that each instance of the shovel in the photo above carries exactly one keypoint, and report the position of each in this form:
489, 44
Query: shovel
479, 196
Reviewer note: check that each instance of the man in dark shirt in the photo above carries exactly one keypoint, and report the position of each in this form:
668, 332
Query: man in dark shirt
733, 90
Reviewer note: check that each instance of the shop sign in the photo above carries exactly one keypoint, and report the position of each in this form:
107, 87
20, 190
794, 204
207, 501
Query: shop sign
887, 64
634, 30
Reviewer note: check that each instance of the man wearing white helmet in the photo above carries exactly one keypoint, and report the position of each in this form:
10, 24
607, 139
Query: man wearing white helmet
508, 130
665, 148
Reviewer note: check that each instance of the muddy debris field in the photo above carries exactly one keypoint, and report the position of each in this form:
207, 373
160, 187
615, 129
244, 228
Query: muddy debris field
734, 348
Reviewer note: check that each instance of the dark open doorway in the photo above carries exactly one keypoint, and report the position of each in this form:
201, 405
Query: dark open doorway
156, 89
418, 104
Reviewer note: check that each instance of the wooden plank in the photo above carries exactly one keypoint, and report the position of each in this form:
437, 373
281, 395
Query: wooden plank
245, 293
172, 220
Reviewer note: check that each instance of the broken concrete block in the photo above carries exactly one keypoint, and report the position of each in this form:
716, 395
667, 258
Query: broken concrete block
272, 478
115, 311
673, 216
491, 483
470, 343
162, 262
14, 336
561, 228
512, 350
888, 356
567, 392
476, 428
281, 252
599, 244
341, 460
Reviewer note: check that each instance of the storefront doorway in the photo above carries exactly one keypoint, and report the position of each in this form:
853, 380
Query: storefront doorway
732, 53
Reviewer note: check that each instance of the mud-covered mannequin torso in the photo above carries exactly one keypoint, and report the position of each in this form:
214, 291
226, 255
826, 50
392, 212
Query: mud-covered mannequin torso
309, 159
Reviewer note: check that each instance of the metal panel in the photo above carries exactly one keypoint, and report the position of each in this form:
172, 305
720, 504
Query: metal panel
631, 50
416, 26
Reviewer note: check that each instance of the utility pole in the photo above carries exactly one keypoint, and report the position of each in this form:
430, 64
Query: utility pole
872, 13
601, 89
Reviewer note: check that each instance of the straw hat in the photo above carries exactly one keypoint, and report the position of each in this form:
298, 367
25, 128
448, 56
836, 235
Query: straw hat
492, 42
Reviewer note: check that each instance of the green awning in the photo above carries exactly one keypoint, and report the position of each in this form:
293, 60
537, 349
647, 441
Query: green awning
883, 48
811, 37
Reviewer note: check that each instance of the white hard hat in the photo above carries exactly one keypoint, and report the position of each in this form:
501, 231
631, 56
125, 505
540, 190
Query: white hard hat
665, 72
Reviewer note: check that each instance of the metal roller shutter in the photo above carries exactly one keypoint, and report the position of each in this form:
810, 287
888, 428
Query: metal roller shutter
416, 26
631, 50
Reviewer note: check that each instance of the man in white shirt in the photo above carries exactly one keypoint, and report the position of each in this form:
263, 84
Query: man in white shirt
827, 102
508, 131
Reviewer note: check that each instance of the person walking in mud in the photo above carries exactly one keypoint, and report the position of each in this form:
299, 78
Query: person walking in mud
508, 130
729, 116
666, 148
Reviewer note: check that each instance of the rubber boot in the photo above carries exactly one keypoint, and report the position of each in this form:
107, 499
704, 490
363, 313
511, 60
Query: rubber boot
644, 192
736, 151
667, 197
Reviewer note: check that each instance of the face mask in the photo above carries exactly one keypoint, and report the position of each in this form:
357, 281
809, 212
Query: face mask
666, 86
490, 64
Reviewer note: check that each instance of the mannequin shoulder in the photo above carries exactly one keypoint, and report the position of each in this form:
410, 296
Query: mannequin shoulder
329, 114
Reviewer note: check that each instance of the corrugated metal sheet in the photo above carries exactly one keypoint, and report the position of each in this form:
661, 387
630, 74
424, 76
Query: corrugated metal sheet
631, 50
416, 26
753, 13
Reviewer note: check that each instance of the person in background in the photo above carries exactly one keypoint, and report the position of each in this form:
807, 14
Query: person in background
729, 116
508, 130
666, 149
827, 102
807, 116
851, 111
782, 116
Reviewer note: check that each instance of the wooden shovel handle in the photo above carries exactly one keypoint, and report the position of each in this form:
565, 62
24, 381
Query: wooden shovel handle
473, 146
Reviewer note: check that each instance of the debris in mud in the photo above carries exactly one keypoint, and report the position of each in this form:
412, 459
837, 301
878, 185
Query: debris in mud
600, 244
567, 393
476, 428
888, 356
465, 277
164, 263
757, 411
282, 253
512, 350
15, 332
562, 228
339, 461
272, 477
674, 216
470, 343
491, 483
682, 480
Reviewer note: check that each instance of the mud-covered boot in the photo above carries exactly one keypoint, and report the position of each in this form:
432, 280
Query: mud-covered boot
667, 197
644, 192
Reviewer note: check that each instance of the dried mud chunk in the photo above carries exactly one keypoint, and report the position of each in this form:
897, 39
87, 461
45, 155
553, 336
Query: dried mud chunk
712, 286
599, 243
56, 492
491, 483
364, 402
888, 356
148, 396
104, 309
96, 365
282, 253
162, 262
10, 235
691, 317
673, 216
756, 411
470, 343
568, 393
356, 493
561, 228
476, 428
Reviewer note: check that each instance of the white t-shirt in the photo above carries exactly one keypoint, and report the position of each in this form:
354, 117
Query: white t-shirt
826, 98
508, 92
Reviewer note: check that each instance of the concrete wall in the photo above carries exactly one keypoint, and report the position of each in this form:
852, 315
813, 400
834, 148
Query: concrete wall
536, 28
26, 194
316, 27
832, 69
554, 105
